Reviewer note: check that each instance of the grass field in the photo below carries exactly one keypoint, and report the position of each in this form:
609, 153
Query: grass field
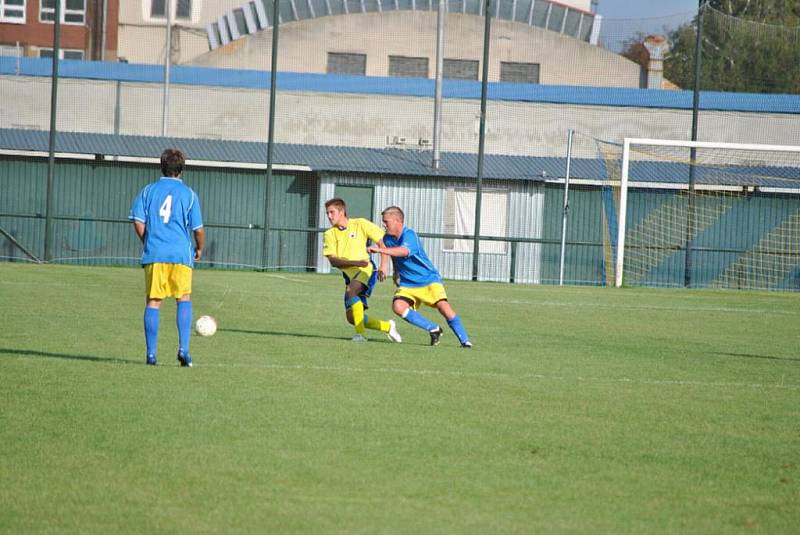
580, 410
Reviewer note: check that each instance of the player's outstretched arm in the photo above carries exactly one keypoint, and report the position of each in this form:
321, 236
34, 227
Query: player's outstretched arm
342, 263
383, 269
391, 251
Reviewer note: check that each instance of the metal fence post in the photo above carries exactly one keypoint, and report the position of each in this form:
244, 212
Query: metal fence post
566, 211
51, 158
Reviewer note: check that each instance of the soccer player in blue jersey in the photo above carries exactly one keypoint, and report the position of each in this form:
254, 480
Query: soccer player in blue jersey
345, 247
417, 279
166, 215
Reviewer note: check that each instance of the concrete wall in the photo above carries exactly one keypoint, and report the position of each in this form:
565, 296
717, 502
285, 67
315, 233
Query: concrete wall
304, 46
517, 128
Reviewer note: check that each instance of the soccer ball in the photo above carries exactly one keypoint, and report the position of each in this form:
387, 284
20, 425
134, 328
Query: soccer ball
205, 326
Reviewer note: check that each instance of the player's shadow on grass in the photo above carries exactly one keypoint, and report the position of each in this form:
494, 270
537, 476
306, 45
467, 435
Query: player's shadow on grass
751, 356
280, 333
67, 356
295, 334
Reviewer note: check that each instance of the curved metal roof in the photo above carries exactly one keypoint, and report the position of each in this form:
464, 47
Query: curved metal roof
256, 15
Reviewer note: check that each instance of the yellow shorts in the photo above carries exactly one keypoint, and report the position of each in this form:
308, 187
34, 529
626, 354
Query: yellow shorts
361, 274
167, 280
424, 295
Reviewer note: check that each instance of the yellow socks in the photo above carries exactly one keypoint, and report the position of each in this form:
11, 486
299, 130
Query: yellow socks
357, 309
376, 325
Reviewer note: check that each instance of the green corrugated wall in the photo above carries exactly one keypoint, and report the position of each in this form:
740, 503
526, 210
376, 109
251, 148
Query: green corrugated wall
92, 201
584, 257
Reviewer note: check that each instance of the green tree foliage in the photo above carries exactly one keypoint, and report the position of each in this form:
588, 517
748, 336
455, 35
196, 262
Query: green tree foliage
633, 49
748, 46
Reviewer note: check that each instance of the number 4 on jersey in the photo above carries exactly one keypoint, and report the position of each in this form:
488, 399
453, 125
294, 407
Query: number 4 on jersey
166, 209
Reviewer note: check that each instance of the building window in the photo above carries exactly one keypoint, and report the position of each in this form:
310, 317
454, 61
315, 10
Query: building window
408, 67
183, 9
341, 63
63, 53
459, 218
12, 11
11, 50
72, 11
460, 69
521, 73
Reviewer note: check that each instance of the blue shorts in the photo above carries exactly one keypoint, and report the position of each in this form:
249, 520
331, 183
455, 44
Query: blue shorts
364, 295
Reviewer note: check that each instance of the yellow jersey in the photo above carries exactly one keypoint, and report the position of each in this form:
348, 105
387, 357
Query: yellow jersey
350, 243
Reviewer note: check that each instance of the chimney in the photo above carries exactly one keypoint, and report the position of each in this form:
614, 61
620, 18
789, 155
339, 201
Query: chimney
657, 46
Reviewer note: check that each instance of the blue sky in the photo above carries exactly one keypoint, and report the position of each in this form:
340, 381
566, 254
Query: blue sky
623, 19
639, 9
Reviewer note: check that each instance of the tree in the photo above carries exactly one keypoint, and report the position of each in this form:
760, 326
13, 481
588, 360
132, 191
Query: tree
748, 46
633, 49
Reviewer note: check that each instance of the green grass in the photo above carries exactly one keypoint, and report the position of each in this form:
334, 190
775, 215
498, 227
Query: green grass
580, 410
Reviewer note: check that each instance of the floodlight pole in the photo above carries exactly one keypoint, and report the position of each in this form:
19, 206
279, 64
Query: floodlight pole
273, 85
437, 101
481, 140
690, 215
51, 157
167, 61
104, 31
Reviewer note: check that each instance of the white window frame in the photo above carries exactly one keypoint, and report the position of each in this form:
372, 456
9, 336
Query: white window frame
147, 11
13, 51
459, 219
6, 8
61, 52
64, 13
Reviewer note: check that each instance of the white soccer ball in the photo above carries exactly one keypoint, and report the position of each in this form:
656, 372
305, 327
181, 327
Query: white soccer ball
205, 326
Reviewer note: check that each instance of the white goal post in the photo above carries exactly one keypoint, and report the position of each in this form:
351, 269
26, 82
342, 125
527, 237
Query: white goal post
727, 169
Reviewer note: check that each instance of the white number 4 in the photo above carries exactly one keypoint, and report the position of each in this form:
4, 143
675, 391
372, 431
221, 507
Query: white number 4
166, 209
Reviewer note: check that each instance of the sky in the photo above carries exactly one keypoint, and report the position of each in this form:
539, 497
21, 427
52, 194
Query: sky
623, 19
639, 9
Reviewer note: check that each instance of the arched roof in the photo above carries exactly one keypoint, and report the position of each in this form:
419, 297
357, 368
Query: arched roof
256, 15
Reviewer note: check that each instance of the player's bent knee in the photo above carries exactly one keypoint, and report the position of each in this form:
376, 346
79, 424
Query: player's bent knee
399, 306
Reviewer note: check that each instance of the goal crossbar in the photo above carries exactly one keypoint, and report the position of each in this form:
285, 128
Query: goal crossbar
623, 198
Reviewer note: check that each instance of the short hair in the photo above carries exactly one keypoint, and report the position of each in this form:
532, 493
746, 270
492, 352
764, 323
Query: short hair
395, 211
338, 203
172, 162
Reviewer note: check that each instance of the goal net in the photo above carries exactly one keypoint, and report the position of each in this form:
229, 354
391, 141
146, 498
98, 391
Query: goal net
700, 214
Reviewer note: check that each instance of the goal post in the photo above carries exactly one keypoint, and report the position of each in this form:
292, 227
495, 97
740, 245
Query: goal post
723, 215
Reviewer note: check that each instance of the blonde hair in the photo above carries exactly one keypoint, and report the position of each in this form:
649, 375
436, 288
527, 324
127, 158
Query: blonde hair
338, 203
395, 211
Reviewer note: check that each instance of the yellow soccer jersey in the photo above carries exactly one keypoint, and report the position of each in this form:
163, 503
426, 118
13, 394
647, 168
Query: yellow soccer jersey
351, 243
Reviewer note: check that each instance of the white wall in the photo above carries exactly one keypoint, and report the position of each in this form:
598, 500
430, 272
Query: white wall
304, 46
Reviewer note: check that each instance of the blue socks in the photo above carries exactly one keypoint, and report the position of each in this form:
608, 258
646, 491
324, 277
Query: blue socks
151, 321
183, 318
418, 320
458, 328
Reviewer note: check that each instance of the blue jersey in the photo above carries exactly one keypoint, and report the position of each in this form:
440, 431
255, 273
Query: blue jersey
170, 211
415, 270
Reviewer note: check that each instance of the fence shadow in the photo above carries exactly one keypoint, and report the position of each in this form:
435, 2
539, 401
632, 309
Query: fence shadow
295, 335
751, 356
66, 356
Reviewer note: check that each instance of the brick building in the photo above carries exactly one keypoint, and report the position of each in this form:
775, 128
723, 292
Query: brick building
88, 28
